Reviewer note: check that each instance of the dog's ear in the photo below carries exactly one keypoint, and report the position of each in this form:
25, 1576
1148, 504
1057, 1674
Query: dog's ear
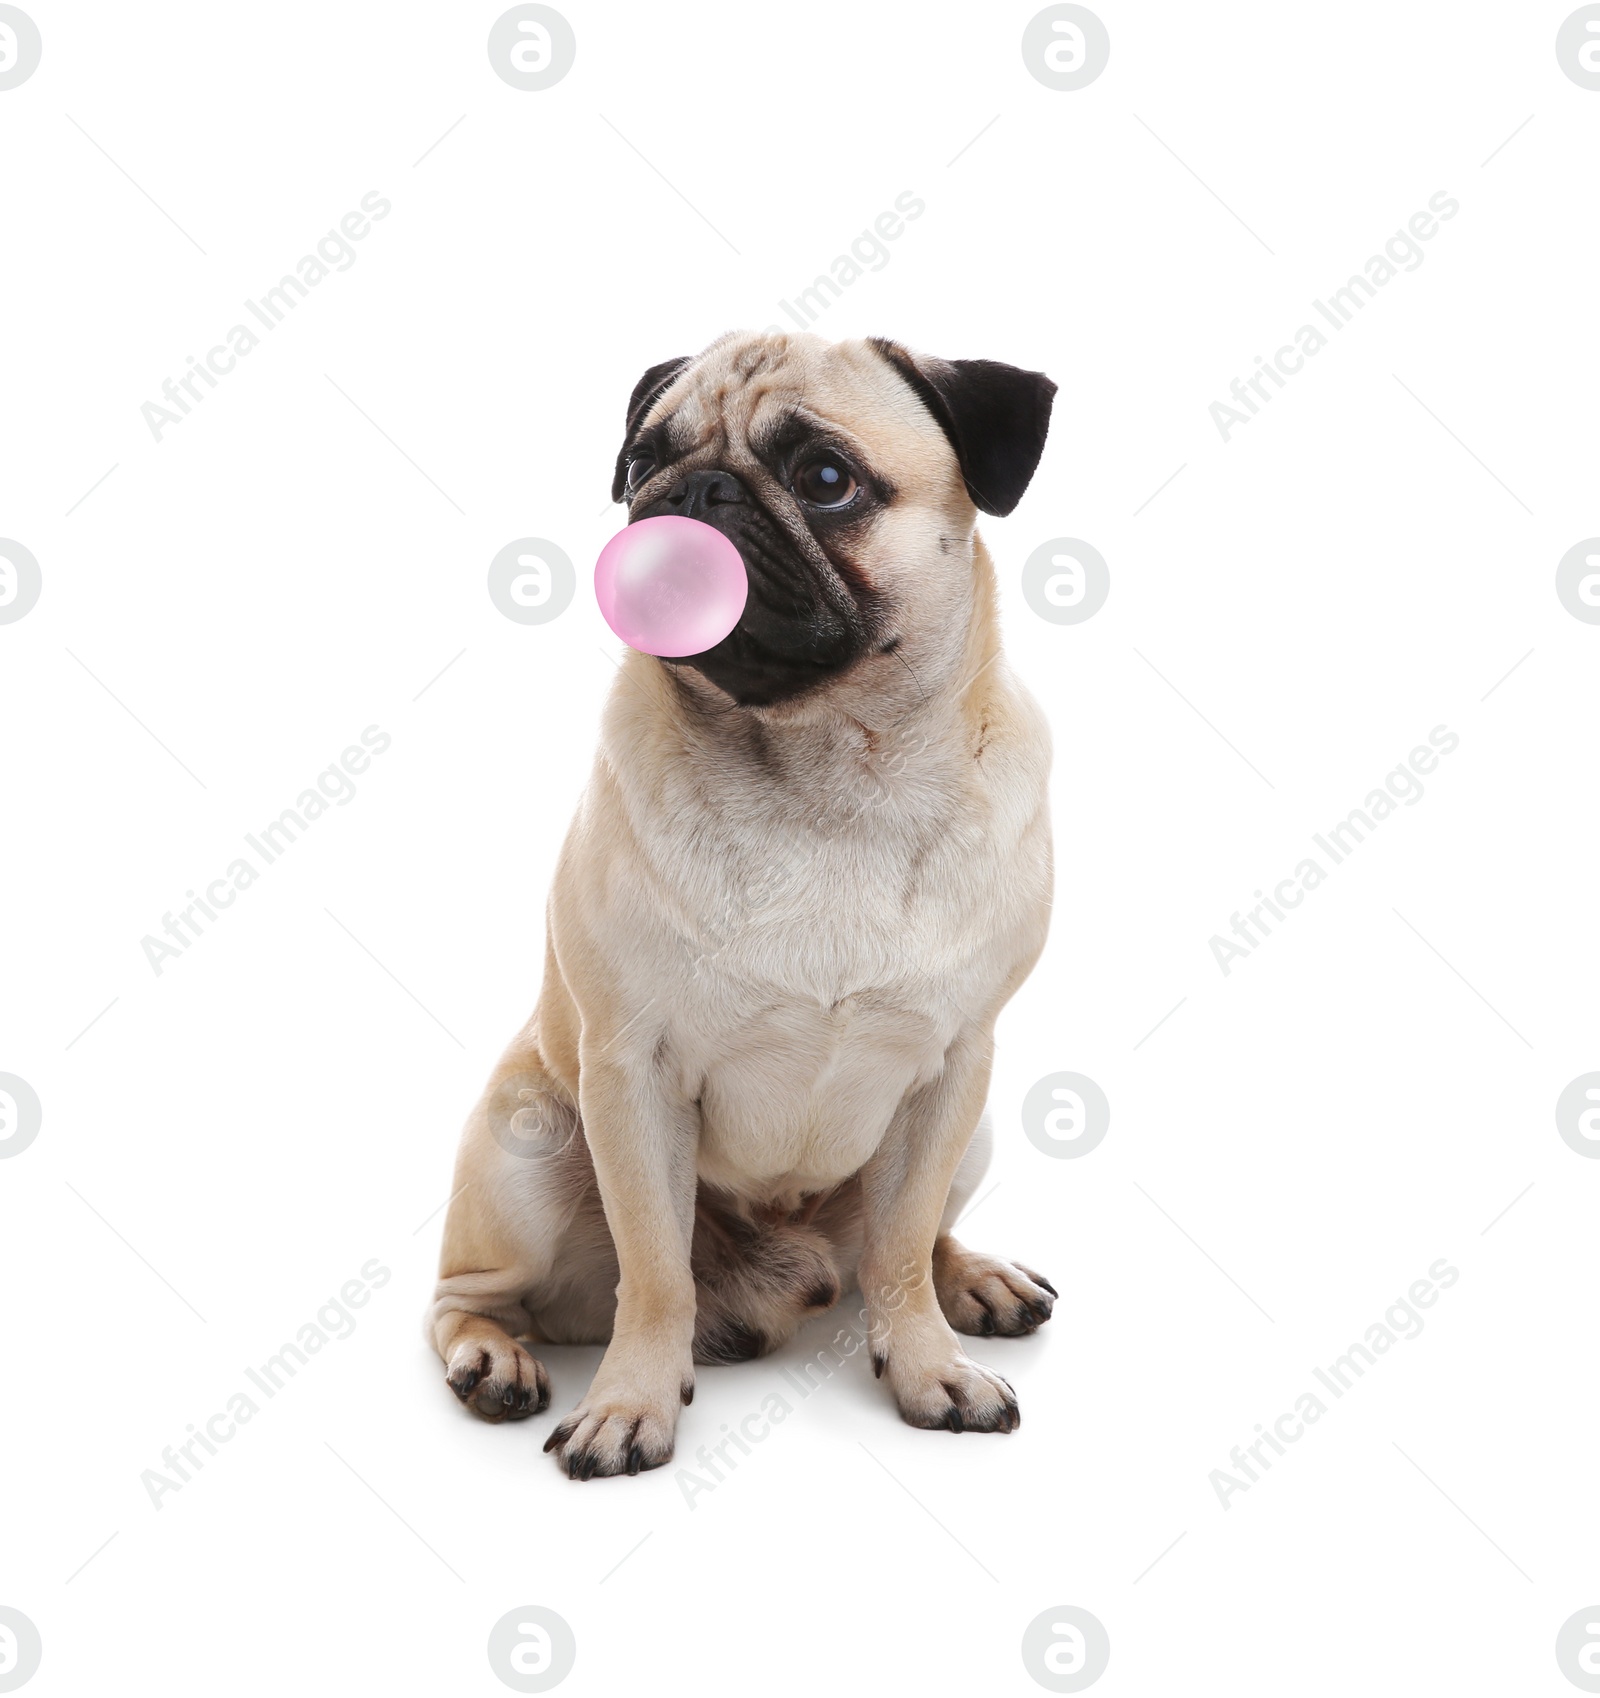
643, 398
996, 417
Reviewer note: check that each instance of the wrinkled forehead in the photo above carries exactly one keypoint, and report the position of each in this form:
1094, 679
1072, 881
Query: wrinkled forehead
749, 391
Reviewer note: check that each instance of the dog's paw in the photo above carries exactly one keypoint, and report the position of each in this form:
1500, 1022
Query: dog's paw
615, 1435
498, 1379
960, 1395
983, 1296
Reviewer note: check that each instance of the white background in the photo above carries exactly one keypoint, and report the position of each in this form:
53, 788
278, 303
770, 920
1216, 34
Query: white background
1347, 1106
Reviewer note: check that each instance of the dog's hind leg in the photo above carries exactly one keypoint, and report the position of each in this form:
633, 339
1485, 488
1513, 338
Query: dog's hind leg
515, 1241
980, 1294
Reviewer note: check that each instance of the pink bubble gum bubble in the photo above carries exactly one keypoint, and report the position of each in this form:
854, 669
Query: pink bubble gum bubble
670, 586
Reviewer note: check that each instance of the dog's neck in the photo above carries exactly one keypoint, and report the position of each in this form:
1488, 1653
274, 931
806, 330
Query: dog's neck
893, 732
909, 716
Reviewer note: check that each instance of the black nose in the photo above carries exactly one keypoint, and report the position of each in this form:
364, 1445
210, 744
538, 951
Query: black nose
698, 492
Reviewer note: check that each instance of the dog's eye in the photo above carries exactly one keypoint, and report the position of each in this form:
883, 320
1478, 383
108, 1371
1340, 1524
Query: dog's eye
639, 468
825, 482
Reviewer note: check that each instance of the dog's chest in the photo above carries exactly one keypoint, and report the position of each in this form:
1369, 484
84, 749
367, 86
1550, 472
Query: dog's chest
824, 989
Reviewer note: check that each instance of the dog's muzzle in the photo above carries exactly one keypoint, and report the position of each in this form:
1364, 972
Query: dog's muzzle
801, 625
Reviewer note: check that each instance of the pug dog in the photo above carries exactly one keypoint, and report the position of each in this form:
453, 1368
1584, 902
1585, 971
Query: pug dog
811, 867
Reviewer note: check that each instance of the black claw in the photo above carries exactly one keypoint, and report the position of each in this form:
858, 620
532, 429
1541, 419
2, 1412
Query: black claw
560, 1435
509, 1396
591, 1461
1046, 1285
879, 1363
572, 1466
635, 1459
953, 1420
687, 1393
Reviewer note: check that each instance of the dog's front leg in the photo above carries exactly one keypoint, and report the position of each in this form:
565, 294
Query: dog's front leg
643, 1144
904, 1190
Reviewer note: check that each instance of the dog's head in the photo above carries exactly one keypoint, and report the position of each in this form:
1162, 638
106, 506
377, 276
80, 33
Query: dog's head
848, 476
